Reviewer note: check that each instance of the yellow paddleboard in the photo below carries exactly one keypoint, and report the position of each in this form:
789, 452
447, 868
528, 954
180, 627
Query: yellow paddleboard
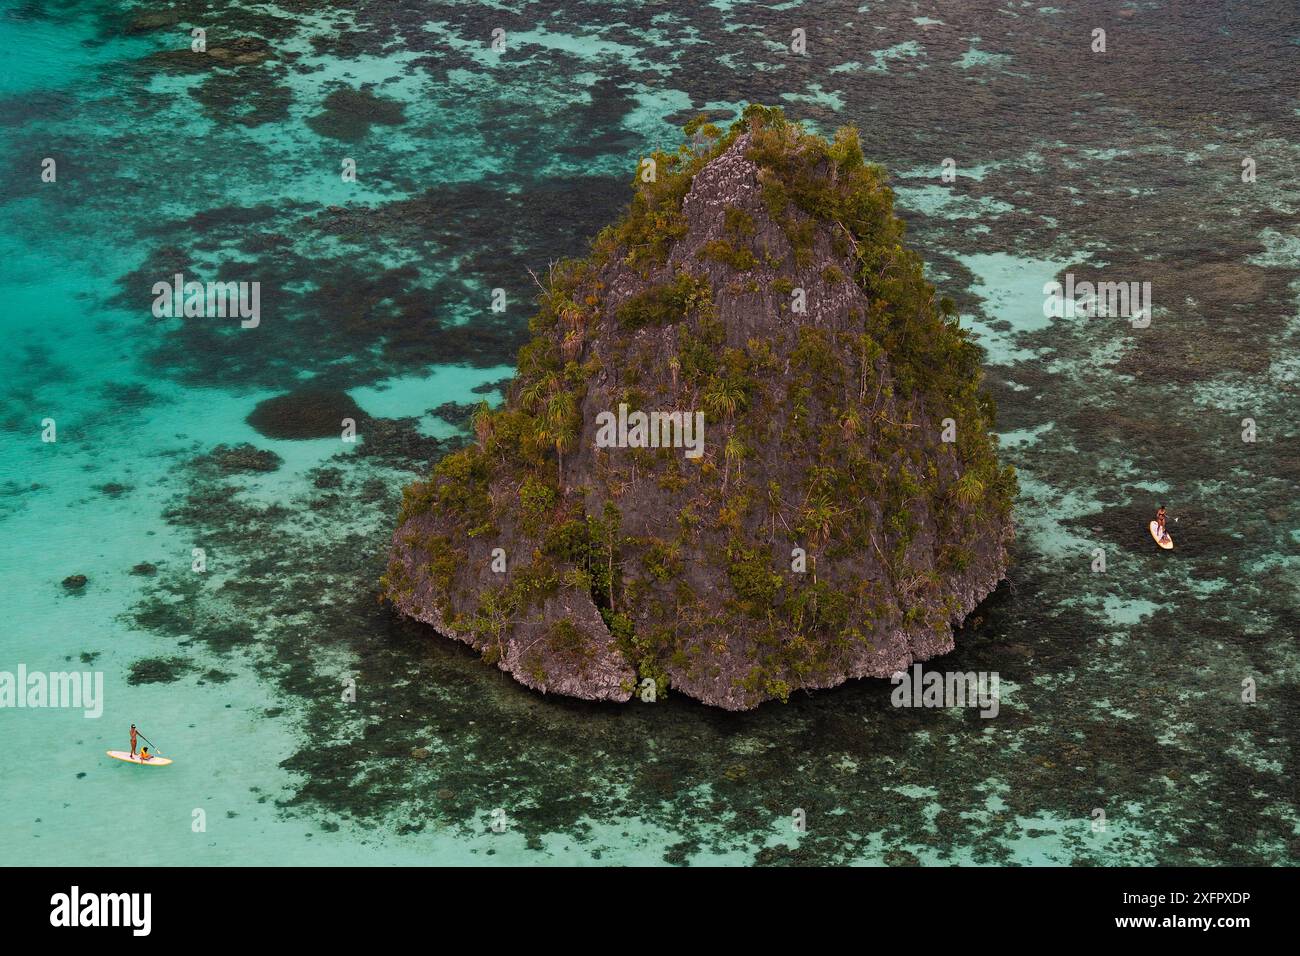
1168, 543
125, 756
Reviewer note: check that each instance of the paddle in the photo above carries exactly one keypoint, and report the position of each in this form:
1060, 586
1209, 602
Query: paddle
148, 741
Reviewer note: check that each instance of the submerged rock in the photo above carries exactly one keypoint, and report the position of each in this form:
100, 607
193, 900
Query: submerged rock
306, 413
455, 413
349, 114
148, 22
487, 388
240, 51
234, 459
158, 670
74, 582
832, 505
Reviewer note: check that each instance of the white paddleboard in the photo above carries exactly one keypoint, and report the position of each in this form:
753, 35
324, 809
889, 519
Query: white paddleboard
1168, 542
126, 757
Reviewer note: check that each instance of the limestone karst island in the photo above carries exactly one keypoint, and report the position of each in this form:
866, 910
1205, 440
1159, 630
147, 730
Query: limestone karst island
746, 451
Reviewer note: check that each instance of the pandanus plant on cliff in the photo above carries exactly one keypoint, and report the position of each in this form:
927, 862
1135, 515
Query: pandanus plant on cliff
733, 451
968, 490
557, 427
534, 396
555, 414
723, 398
818, 521
575, 331
774, 506
483, 425
571, 345
850, 422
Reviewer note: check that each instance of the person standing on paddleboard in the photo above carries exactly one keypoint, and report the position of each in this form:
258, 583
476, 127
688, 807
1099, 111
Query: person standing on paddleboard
1160, 522
133, 740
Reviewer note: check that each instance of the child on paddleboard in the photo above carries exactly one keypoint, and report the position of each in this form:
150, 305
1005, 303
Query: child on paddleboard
144, 754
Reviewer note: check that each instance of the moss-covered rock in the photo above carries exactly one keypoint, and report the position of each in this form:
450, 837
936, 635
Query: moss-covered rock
846, 509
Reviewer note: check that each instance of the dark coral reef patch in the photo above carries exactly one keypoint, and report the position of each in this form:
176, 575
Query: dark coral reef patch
306, 413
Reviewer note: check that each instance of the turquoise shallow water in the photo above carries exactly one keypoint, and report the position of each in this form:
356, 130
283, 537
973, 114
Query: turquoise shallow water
1121, 691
